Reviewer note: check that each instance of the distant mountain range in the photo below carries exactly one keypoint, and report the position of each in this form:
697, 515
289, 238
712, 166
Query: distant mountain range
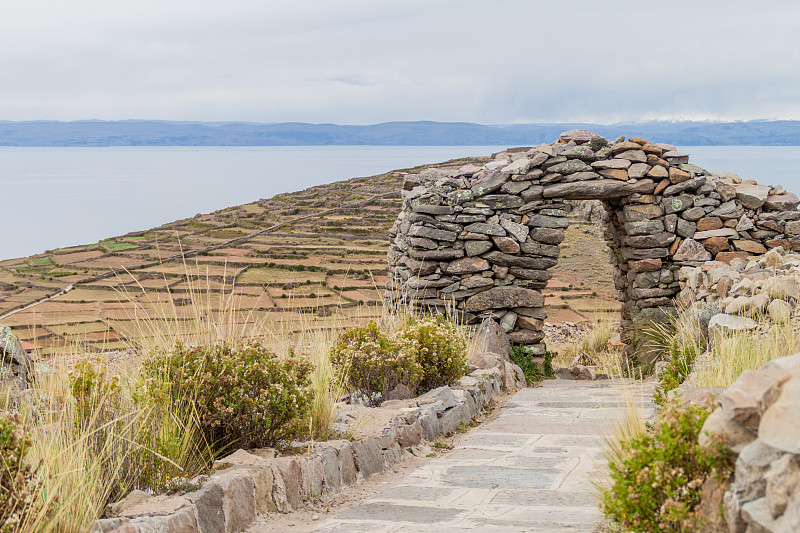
168, 133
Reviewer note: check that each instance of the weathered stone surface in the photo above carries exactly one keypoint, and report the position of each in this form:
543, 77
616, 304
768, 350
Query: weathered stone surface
467, 265
615, 174
543, 221
518, 231
432, 233
657, 240
645, 265
570, 167
752, 196
436, 255
691, 250
779, 428
677, 204
535, 263
486, 229
723, 324
502, 201
639, 212
645, 227
473, 247
781, 202
577, 135
780, 312
547, 235
518, 166
611, 164
598, 189
504, 297
752, 247
715, 245
506, 244
677, 175
709, 223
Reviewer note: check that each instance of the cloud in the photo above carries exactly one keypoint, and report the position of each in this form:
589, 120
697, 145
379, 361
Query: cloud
357, 61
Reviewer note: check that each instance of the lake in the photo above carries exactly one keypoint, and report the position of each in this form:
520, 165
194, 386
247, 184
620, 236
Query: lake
57, 197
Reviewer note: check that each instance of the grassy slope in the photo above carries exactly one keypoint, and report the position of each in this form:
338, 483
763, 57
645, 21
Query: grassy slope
286, 256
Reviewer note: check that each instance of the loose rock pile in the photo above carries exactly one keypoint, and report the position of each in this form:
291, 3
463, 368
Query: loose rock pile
727, 297
484, 238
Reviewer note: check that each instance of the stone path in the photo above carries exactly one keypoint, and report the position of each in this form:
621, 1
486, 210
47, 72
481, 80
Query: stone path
530, 469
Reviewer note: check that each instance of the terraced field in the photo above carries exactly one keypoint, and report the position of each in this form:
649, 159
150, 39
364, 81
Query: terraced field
302, 258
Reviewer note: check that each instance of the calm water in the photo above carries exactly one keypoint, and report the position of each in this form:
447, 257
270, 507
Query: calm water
56, 197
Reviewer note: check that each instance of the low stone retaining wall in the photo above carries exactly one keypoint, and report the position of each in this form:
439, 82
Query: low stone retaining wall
248, 483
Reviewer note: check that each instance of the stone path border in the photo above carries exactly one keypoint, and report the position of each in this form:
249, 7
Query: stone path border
530, 469
247, 484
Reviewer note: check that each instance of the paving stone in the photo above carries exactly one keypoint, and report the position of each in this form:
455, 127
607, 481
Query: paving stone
401, 513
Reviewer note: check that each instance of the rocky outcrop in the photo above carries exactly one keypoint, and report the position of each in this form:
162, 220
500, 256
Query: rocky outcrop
483, 239
15, 365
758, 419
248, 483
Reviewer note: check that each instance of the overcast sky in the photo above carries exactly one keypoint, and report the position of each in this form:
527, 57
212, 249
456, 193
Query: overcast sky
361, 62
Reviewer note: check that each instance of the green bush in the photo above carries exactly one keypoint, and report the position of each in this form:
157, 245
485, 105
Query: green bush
423, 354
679, 365
657, 480
534, 373
372, 363
439, 346
244, 396
18, 481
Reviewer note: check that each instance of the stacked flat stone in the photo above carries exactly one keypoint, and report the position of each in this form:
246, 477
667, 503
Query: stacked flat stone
483, 239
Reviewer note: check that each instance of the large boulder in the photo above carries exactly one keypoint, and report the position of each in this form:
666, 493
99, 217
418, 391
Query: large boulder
14, 362
491, 349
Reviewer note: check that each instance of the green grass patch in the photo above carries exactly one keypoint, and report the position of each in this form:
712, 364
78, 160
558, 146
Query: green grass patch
118, 246
42, 261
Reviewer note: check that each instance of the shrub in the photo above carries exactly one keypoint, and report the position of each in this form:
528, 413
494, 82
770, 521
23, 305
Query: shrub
423, 354
244, 396
372, 362
658, 479
439, 346
18, 481
679, 365
534, 373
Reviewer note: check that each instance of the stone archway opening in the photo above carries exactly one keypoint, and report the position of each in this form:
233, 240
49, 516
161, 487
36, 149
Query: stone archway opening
483, 239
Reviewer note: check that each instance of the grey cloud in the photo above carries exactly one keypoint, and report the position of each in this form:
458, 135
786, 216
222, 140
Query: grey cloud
364, 61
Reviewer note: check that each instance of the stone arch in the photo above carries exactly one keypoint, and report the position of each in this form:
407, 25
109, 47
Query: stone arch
483, 239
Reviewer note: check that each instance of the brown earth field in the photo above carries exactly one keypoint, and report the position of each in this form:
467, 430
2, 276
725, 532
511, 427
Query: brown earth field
300, 258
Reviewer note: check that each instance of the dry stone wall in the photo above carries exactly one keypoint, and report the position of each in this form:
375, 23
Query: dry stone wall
483, 239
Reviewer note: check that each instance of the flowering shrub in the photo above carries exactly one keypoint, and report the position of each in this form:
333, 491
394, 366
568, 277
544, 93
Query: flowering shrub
245, 396
18, 483
438, 346
372, 362
658, 482
425, 353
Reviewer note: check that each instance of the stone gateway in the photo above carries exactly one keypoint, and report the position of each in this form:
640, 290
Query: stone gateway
482, 239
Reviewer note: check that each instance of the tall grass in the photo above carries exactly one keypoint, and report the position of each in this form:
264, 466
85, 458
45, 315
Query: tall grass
90, 457
94, 452
594, 342
732, 354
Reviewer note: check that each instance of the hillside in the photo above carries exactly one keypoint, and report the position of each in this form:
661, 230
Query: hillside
318, 253
422, 133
